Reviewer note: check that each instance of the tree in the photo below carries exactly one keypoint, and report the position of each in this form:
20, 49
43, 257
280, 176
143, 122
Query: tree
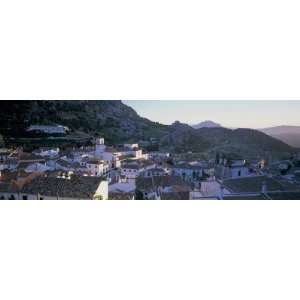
1, 141
217, 160
139, 195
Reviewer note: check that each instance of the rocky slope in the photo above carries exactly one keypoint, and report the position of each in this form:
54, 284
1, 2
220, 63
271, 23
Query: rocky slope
119, 123
111, 119
241, 142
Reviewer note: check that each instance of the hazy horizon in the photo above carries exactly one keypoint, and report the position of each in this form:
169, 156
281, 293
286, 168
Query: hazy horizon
228, 113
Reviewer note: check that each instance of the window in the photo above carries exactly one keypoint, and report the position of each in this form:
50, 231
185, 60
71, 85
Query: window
239, 173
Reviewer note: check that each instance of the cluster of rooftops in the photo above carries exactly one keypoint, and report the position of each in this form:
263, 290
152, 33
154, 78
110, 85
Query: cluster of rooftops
89, 173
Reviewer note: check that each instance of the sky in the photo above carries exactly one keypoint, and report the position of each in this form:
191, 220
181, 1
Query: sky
246, 114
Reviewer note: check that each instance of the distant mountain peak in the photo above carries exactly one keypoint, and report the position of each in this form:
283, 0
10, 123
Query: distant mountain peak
207, 124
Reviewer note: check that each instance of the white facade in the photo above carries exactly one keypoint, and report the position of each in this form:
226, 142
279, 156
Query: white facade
131, 172
98, 168
155, 172
189, 173
158, 155
102, 191
49, 129
131, 146
51, 153
37, 167
100, 147
235, 169
236, 172
126, 186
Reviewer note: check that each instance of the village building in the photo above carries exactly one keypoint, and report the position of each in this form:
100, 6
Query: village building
64, 165
162, 187
256, 187
100, 148
157, 171
132, 169
227, 167
4, 155
8, 191
131, 146
121, 196
122, 185
158, 155
35, 167
108, 154
97, 167
47, 152
30, 158
48, 129
12, 182
10, 159
73, 188
188, 172
135, 153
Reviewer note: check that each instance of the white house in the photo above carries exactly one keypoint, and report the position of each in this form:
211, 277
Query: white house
48, 152
37, 167
229, 168
107, 154
188, 172
158, 171
158, 155
64, 165
56, 129
162, 187
122, 186
131, 170
98, 167
131, 146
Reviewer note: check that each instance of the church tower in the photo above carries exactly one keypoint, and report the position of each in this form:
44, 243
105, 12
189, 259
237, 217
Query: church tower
100, 147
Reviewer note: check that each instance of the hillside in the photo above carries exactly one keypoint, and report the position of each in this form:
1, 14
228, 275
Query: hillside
287, 134
241, 142
119, 123
111, 119
1, 141
182, 138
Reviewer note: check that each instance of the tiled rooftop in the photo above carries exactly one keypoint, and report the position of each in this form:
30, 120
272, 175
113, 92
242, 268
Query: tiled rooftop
151, 183
120, 196
252, 184
78, 187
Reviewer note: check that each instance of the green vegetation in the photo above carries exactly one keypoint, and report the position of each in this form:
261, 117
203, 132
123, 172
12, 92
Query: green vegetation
1, 141
118, 123
113, 120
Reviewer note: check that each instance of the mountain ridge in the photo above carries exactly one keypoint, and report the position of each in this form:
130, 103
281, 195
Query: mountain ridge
119, 123
286, 133
206, 124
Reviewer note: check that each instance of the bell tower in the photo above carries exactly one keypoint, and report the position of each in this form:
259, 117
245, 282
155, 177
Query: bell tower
100, 147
